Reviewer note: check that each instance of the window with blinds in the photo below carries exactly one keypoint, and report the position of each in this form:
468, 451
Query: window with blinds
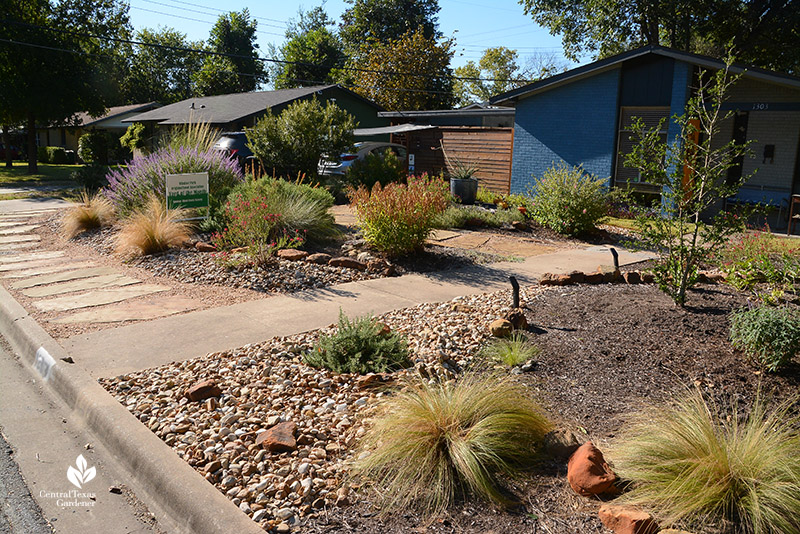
651, 117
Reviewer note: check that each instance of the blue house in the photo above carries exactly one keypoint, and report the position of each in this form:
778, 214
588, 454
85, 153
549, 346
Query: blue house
583, 117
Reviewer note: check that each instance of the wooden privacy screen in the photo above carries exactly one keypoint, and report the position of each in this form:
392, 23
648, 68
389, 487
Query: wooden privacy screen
488, 149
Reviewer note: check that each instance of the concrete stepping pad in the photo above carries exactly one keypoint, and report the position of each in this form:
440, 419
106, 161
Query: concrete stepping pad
63, 276
19, 229
6, 239
18, 246
22, 265
11, 224
98, 298
131, 311
83, 284
47, 269
27, 256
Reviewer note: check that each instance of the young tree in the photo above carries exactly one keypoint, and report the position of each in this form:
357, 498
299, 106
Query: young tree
56, 59
161, 69
387, 20
240, 69
295, 140
409, 73
693, 175
310, 53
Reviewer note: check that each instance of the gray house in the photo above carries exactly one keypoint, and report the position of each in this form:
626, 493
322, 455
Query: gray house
583, 117
233, 112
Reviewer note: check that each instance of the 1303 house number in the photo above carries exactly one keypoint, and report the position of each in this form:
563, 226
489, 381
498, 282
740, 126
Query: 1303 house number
760, 106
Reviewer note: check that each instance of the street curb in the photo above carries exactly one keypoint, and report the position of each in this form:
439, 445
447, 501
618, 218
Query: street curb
173, 488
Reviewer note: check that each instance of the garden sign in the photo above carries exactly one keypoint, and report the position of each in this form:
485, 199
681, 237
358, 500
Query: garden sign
187, 190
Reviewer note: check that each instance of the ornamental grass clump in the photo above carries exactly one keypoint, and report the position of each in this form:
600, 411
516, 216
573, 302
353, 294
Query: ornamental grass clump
514, 350
91, 213
769, 335
694, 466
399, 217
569, 200
130, 188
433, 443
360, 346
152, 229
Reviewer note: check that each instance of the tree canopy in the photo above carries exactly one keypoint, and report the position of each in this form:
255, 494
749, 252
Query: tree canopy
757, 30
409, 73
61, 59
311, 52
387, 20
158, 70
240, 69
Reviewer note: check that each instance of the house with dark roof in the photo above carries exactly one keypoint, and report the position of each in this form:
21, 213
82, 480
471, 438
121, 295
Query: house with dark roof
111, 121
583, 117
236, 111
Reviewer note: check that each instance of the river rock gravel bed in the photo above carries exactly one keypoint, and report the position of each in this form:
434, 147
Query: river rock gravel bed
268, 383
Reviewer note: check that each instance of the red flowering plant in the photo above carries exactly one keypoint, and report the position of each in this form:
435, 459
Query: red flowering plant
398, 218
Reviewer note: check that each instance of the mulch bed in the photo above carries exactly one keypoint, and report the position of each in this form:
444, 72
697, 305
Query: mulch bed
606, 351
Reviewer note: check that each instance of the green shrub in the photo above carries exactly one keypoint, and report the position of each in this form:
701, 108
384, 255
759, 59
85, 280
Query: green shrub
399, 217
93, 147
465, 216
90, 177
514, 350
134, 137
57, 155
760, 258
691, 464
260, 212
769, 335
360, 346
42, 155
382, 169
294, 141
568, 200
431, 442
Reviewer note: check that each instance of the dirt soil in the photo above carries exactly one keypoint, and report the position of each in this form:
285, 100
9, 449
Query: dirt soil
606, 352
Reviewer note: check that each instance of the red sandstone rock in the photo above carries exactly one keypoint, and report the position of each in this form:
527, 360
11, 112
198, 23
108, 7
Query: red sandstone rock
279, 438
632, 277
203, 390
517, 319
623, 520
200, 246
501, 328
349, 263
550, 279
292, 254
320, 258
593, 278
588, 473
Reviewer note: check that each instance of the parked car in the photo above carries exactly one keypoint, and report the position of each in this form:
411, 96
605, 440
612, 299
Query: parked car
15, 154
338, 168
234, 144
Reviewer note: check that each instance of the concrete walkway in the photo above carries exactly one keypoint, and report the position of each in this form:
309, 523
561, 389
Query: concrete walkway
139, 346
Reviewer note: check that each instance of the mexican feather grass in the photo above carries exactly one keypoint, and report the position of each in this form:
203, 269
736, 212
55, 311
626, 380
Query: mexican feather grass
691, 464
431, 443
91, 213
152, 229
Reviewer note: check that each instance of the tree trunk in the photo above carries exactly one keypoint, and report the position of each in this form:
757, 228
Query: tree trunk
33, 167
7, 145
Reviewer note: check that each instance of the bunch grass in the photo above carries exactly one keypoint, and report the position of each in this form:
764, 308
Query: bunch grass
691, 464
93, 212
153, 229
431, 443
514, 350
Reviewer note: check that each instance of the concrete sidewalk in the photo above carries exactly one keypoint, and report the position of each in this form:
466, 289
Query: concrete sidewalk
112, 352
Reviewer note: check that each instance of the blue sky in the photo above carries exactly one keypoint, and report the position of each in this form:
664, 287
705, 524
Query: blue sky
476, 24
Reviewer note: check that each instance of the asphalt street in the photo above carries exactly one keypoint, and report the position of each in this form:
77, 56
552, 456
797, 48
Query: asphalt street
19, 513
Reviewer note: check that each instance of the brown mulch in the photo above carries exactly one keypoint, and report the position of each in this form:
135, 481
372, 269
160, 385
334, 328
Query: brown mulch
606, 352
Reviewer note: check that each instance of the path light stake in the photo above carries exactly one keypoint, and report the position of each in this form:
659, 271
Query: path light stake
616, 258
515, 291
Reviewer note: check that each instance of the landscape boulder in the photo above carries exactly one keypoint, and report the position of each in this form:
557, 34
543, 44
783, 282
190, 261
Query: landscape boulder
349, 263
279, 438
320, 258
501, 328
593, 278
201, 246
632, 277
520, 226
292, 254
624, 520
551, 279
561, 444
203, 390
517, 319
588, 473
374, 380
